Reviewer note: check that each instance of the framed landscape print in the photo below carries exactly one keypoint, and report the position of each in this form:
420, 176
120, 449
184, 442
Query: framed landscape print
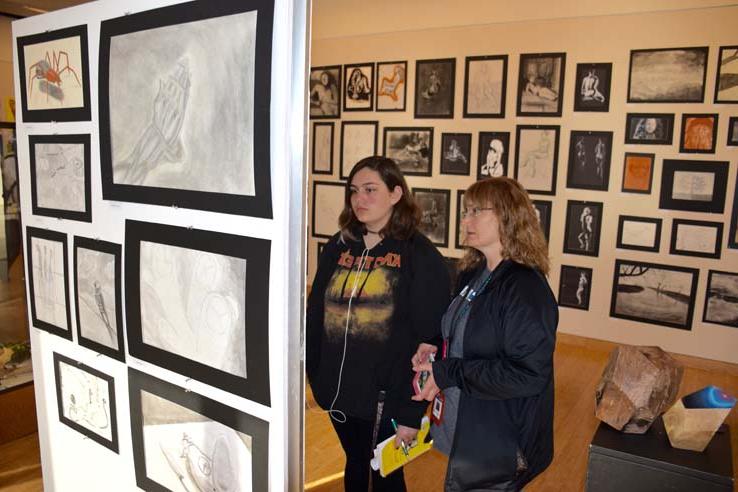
652, 75
325, 92
721, 300
434, 88
733, 231
592, 87
54, 76
652, 293
455, 153
537, 157
649, 128
543, 212
575, 285
637, 172
541, 84
695, 186
391, 86
411, 148
699, 133
589, 160
434, 219
726, 82
322, 148
358, 94
696, 238
328, 202
733, 132
583, 228
358, 140
460, 207
485, 86
639, 233
494, 150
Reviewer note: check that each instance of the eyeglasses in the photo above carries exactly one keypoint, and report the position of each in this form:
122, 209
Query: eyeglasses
474, 212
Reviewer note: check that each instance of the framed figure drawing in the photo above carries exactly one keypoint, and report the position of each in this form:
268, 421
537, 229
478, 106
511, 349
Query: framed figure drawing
732, 132
358, 95
543, 210
695, 186
652, 75
537, 157
322, 148
325, 92
411, 148
649, 128
637, 172
583, 228
328, 202
726, 82
171, 132
575, 285
434, 88
592, 87
485, 86
197, 304
358, 140
696, 238
541, 84
455, 153
589, 160
434, 214
699, 133
54, 76
391, 86
720, 305
494, 149
639, 233
733, 231
60, 176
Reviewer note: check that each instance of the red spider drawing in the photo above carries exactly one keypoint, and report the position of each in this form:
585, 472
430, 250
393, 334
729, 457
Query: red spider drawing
50, 71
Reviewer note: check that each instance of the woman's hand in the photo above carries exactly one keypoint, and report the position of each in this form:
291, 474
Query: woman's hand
430, 389
422, 354
404, 434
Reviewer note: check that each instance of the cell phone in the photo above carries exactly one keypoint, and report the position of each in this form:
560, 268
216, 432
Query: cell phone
422, 376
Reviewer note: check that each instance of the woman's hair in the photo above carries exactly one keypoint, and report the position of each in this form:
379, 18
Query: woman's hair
405, 213
520, 231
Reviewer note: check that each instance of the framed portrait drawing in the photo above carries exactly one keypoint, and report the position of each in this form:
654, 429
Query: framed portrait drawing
575, 285
726, 82
485, 86
157, 139
494, 149
460, 207
592, 87
733, 231
455, 153
358, 93
651, 77
639, 233
637, 172
322, 148
696, 238
541, 84
732, 132
97, 296
649, 128
358, 140
583, 228
434, 88
537, 157
720, 305
434, 214
543, 210
85, 399
411, 148
391, 86
695, 186
54, 75
328, 202
699, 133
325, 92
172, 320
60, 176
652, 293
589, 160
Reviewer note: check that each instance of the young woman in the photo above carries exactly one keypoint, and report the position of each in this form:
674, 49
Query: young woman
494, 417
380, 289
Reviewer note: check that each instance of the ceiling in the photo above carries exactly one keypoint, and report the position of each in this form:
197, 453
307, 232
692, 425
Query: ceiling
26, 8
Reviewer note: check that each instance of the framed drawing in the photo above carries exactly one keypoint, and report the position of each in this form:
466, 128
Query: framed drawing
434, 209
158, 137
494, 149
322, 154
48, 281
358, 95
720, 301
695, 186
485, 86
592, 87
358, 140
583, 228
537, 157
391, 86
434, 88
649, 128
60, 176
329, 199
726, 82
411, 148
218, 334
651, 77
696, 238
733, 231
575, 285
460, 207
325, 92
652, 293
54, 75
541, 84
85, 399
639, 233
455, 153
637, 172
699, 133
732, 132
589, 160
97, 296
543, 210
185, 441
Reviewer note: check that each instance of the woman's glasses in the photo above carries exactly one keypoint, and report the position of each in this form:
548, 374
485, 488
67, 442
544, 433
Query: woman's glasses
473, 212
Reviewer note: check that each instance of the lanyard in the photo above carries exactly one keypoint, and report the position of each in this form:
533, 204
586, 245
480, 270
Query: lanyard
465, 297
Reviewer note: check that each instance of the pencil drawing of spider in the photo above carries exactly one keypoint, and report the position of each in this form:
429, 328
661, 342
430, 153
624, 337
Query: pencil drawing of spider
49, 72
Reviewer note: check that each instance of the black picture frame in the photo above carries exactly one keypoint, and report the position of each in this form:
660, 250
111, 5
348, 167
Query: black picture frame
357, 96
431, 211
582, 230
649, 128
315, 167
411, 147
644, 298
721, 289
114, 250
48, 274
458, 240
592, 87
541, 94
493, 154
351, 160
36, 176
329, 212
73, 113
680, 244
725, 81
732, 132
256, 252
435, 83
140, 383
330, 109
575, 287
692, 123
544, 210
390, 85
258, 204
473, 94
691, 173
733, 231
638, 172
456, 153
648, 67
535, 156
639, 243
81, 399
590, 153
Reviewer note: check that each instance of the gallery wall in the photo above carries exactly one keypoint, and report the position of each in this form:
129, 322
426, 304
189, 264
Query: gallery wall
584, 40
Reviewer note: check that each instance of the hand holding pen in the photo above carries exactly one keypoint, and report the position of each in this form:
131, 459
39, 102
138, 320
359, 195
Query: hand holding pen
399, 430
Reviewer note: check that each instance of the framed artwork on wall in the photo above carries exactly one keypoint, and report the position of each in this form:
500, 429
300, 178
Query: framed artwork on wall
699, 133
726, 81
543, 210
322, 148
575, 285
639, 233
358, 94
537, 157
720, 305
434, 209
485, 86
651, 77
411, 148
733, 231
592, 87
455, 153
638, 172
358, 140
325, 92
583, 228
460, 207
328, 202
434, 88
732, 132
589, 160
696, 238
391, 86
695, 186
649, 128
494, 150
541, 84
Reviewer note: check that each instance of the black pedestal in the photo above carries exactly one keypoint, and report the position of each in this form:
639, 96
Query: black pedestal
647, 462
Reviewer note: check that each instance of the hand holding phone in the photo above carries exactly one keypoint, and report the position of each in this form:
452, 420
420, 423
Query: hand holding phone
422, 376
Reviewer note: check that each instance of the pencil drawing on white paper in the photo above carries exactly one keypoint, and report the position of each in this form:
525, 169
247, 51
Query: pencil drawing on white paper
85, 400
96, 291
49, 282
60, 176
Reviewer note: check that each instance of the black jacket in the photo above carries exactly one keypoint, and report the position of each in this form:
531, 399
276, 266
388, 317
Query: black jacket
506, 380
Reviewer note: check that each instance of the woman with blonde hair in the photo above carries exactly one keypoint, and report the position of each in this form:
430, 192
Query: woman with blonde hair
492, 385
